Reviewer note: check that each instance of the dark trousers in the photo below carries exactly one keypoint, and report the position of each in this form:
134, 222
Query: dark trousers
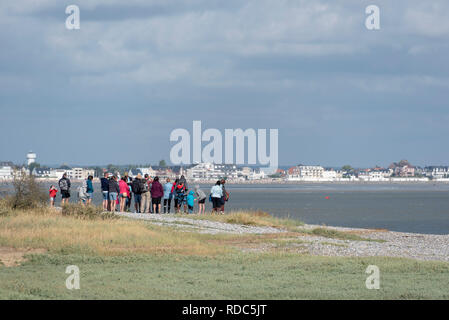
167, 204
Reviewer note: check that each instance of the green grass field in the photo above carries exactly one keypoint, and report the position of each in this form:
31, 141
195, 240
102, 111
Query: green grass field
232, 276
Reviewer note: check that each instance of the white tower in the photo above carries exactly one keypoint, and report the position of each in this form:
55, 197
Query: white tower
31, 157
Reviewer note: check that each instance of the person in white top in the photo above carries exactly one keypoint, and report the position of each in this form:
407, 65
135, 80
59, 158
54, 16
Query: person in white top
216, 194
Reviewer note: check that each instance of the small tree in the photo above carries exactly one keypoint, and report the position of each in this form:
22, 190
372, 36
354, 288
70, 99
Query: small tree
28, 193
162, 163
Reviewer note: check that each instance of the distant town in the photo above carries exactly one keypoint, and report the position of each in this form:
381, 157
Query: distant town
401, 171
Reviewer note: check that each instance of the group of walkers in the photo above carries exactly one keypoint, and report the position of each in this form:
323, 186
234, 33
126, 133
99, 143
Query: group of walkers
149, 195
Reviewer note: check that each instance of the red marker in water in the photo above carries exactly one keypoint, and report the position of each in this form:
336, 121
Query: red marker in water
326, 197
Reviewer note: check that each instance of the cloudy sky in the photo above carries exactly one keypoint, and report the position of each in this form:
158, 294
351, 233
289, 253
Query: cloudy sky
113, 91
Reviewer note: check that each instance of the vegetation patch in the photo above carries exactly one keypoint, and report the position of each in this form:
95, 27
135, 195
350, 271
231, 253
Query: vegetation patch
252, 218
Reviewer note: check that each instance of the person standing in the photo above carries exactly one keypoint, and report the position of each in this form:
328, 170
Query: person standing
201, 196
124, 192
191, 201
168, 195
89, 189
157, 191
146, 195
179, 194
64, 186
216, 194
137, 190
52, 192
225, 196
105, 190
114, 190
130, 195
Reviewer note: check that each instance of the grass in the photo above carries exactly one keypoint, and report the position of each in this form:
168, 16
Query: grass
233, 276
51, 230
335, 234
130, 259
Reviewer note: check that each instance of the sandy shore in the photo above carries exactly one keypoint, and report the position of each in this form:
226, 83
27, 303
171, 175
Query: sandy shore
384, 243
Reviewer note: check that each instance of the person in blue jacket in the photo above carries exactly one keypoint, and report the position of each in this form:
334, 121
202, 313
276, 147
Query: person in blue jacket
191, 201
168, 195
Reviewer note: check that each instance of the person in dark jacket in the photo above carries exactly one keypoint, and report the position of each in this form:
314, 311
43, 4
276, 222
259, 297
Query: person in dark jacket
157, 192
105, 190
137, 186
114, 191
64, 186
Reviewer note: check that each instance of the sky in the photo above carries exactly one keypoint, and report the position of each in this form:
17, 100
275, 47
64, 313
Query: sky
113, 91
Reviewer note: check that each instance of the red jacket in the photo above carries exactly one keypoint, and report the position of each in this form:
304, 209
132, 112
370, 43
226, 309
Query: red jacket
53, 193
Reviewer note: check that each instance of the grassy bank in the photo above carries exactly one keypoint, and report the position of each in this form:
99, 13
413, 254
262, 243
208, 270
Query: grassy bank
233, 276
127, 259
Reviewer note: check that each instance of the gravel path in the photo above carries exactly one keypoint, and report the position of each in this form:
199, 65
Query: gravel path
202, 226
395, 244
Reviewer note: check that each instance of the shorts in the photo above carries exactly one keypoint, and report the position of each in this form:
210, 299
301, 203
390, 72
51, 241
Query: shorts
137, 198
52, 199
90, 195
202, 200
216, 202
105, 195
113, 196
156, 200
123, 195
65, 194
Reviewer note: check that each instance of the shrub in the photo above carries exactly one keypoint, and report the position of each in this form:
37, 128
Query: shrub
86, 212
27, 194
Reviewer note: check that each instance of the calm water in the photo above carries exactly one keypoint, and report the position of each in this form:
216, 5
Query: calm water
421, 208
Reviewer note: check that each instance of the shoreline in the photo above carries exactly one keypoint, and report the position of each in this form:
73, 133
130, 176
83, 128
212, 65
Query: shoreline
372, 242
271, 182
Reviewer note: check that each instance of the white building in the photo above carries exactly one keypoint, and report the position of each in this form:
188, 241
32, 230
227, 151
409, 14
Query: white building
306, 173
31, 158
6, 173
375, 175
437, 172
210, 171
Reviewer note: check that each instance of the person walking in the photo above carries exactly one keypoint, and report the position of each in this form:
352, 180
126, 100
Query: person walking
114, 190
201, 196
89, 189
157, 191
168, 195
105, 191
52, 192
146, 195
124, 192
137, 190
216, 194
64, 186
173, 192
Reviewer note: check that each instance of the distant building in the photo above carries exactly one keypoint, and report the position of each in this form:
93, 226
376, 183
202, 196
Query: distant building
437, 172
305, 173
41, 172
31, 157
6, 172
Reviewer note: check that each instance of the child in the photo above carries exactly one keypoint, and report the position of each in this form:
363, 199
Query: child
53, 191
191, 201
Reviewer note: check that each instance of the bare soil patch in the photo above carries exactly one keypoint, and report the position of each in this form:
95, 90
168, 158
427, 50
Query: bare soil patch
12, 257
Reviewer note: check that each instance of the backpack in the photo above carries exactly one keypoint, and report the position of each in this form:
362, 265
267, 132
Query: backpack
145, 187
63, 185
137, 186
